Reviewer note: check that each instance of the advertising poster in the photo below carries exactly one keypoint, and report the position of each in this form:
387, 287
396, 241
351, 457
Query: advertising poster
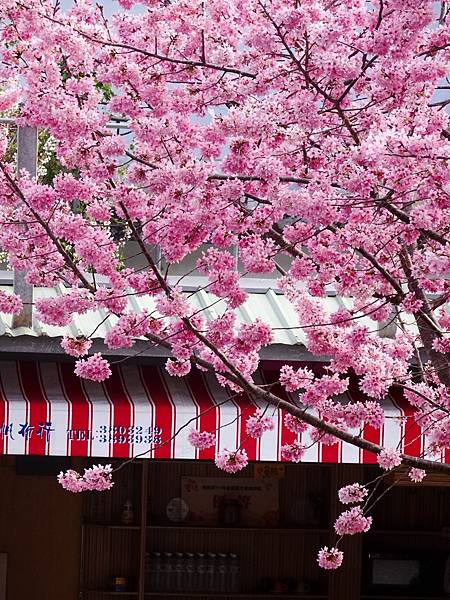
231, 502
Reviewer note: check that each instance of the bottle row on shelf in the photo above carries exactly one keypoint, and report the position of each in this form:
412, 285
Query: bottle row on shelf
192, 572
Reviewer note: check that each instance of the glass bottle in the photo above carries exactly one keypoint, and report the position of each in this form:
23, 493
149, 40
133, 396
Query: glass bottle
178, 567
211, 572
234, 573
190, 572
201, 572
222, 570
167, 572
156, 572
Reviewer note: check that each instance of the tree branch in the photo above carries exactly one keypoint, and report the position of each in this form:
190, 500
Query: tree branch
68, 260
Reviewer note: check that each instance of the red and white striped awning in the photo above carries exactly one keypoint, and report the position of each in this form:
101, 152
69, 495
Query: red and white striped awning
46, 410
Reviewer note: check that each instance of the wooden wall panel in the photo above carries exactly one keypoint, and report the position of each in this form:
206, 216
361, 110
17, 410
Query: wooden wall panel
40, 532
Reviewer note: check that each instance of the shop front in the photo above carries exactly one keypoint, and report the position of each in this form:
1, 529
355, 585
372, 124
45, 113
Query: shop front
174, 526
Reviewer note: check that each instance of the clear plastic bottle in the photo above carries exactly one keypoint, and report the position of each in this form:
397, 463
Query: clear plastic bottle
167, 572
155, 568
211, 572
201, 572
234, 573
222, 573
179, 570
190, 572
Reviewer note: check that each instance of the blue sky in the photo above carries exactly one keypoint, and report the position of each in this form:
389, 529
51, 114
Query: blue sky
110, 6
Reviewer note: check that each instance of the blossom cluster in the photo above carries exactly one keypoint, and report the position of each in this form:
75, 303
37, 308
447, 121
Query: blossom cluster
388, 458
95, 368
330, 558
294, 424
201, 439
416, 475
76, 346
293, 452
352, 521
98, 478
10, 303
353, 493
258, 423
231, 462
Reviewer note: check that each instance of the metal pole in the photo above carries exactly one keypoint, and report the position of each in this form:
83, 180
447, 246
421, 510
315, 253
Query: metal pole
113, 124
27, 142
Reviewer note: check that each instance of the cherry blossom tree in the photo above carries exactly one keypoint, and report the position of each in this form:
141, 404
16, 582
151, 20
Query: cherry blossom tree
310, 137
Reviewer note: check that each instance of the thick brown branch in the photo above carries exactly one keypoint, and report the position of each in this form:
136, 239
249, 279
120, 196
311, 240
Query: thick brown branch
226, 177
378, 266
168, 59
300, 412
402, 216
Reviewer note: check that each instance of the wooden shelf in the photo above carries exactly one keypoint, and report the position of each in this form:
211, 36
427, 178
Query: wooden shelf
112, 526
109, 593
177, 527
301, 596
434, 533
410, 597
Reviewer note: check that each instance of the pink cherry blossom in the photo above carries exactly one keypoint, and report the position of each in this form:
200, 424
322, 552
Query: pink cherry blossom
293, 452
352, 521
95, 368
76, 346
60, 310
352, 493
178, 368
294, 424
256, 254
72, 481
201, 439
411, 304
128, 327
97, 478
258, 423
389, 458
330, 558
10, 303
231, 462
373, 414
416, 475
293, 380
